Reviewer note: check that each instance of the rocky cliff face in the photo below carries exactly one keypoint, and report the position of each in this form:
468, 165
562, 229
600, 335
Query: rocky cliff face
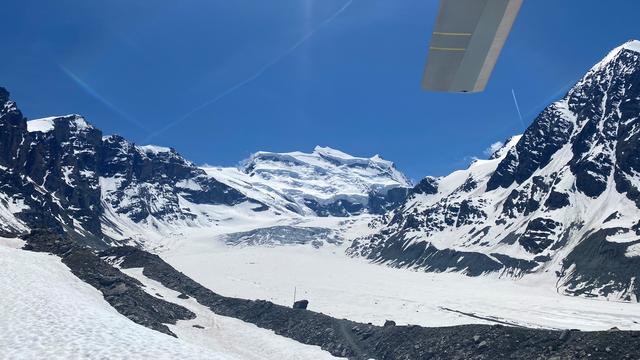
60, 173
562, 199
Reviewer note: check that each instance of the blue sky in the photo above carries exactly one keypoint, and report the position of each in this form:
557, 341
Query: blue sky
220, 79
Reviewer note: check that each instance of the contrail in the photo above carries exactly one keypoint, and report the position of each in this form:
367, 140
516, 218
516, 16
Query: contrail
515, 100
255, 76
100, 98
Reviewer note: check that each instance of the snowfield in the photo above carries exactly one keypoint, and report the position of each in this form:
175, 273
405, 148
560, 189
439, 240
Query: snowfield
357, 290
48, 313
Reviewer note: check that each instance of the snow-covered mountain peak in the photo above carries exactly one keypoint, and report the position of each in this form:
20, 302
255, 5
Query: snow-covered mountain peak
346, 159
75, 122
155, 150
328, 151
323, 159
631, 48
631, 45
324, 182
506, 146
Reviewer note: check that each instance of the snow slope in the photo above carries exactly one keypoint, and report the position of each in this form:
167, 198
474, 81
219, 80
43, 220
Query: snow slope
42, 125
48, 313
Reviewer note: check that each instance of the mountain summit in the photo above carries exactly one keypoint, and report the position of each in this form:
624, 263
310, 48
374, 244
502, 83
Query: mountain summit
326, 182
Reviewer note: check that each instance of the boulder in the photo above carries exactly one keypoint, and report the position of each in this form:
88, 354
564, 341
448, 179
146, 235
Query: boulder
301, 304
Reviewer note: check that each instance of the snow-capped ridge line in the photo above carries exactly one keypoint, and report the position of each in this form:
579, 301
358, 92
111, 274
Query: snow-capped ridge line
325, 182
47, 124
631, 45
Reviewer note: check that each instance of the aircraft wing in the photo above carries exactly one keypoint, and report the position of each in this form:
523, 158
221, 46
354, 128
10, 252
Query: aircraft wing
466, 43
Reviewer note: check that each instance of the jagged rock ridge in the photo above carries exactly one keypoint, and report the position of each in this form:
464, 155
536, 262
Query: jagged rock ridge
60, 173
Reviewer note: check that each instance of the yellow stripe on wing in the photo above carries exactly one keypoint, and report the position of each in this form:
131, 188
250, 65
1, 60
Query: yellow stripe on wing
451, 33
446, 49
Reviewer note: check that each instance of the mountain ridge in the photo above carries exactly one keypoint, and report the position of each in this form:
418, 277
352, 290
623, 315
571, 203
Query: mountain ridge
104, 190
563, 199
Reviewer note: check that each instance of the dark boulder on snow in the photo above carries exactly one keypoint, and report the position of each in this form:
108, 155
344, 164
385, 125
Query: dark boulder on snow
301, 304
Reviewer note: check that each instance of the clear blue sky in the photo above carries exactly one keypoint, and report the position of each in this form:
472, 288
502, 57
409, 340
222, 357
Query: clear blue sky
134, 67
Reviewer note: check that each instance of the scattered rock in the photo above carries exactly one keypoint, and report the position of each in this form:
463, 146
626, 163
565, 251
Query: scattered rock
198, 326
183, 296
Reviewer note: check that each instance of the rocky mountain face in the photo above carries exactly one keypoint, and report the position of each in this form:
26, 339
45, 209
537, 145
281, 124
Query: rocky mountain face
326, 182
60, 173
563, 199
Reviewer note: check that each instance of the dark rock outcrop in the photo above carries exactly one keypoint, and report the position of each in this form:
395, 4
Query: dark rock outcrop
124, 293
597, 267
428, 186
